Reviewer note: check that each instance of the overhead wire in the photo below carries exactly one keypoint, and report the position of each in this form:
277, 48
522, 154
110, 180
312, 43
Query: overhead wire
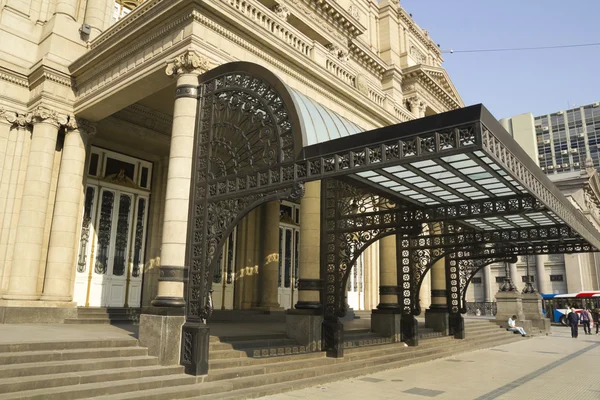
451, 51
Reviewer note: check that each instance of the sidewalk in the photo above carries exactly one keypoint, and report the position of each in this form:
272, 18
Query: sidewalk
549, 367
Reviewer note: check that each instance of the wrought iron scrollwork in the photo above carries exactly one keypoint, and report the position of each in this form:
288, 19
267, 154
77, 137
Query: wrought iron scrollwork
90, 194
244, 140
104, 232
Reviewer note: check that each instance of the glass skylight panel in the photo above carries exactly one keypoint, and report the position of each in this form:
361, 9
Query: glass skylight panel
488, 181
479, 153
422, 164
426, 185
495, 186
415, 179
457, 157
409, 193
405, 174
399, 188
366, 174
461, 185
482, 175
433, 169
378, 179
388, 183
397, 168
442, 175
464, 164
451, 180
472, 170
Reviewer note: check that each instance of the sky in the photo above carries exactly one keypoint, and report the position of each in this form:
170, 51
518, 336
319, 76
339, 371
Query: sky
516, 82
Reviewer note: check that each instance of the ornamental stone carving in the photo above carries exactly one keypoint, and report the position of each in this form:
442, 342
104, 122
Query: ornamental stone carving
82, 125
13, 118
361, 84
341, 55
187, 63
281, 11
43, 114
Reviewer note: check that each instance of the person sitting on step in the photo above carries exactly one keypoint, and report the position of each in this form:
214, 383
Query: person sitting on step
512, 326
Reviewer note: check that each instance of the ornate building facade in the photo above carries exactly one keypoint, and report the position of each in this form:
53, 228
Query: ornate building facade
95, 142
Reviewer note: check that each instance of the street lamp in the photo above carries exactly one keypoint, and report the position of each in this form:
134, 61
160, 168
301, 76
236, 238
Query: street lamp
507, 285
529, 288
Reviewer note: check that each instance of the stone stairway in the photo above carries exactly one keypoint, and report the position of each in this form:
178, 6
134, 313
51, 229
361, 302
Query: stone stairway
239, 367
101, 315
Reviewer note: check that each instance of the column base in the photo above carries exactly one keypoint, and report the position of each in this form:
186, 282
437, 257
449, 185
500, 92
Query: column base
305, 326
508, 304
195, 339
160, 332
308, 305
438, 319
333, 338
456, 326
36, 312
168, 301
17, 296
387, 324
50, 297
409, 328
532, 309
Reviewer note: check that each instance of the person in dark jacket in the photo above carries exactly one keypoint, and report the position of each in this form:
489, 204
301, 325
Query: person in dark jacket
596, 318
573, 319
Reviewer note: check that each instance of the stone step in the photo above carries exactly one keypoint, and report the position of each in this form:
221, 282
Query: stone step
325, 378
109, 310
246, 344
54, 367
173, 393
88, 390
89, 321
21, 357
21, 383
272, 351
76, 344
243, 362
231, 339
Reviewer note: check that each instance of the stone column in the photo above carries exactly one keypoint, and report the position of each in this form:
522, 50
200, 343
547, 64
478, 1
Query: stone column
66, 7
304, 323
186, 67
487, 284
95, 12
540, 274
268, 269
388, 281
309, 256
69, 192
161, 326
436, 316
514, 275
386, 319
34, 203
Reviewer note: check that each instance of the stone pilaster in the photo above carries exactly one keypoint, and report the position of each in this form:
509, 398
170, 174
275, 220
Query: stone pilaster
186, 67
69, 192
34, 203
268, 269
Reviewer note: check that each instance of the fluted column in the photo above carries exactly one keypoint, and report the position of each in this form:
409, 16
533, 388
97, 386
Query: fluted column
268, 269
487, 284
388, 289
514, 275
69, 192
309, 256
540, 274
34, 203
66, 7
186, 67
95, 13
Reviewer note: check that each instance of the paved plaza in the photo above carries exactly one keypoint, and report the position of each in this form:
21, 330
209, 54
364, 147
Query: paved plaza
549, 367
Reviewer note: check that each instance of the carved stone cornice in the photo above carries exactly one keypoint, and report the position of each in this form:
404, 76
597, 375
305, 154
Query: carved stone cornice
187, 63
367, 57
82, 125
43, 114
415, 79
12, 77
419, 33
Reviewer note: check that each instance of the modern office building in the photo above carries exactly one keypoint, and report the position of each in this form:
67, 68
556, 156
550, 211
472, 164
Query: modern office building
566, 146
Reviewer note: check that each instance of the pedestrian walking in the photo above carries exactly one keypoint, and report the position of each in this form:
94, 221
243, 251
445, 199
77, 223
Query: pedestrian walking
573, 319
596, 318
586, 319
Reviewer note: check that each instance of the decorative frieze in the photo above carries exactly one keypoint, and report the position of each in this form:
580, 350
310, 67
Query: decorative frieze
187, 63
281, 11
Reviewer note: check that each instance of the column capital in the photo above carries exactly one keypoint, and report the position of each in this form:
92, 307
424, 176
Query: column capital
13, 118
42, 114
84, 126
190, 62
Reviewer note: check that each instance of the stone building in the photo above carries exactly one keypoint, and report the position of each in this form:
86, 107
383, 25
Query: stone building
95, 143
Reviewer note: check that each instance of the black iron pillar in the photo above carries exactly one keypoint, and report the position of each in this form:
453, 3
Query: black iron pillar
455, 280
529, 288
457, 325
407, 296
194, 347
507, 285
333, 337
